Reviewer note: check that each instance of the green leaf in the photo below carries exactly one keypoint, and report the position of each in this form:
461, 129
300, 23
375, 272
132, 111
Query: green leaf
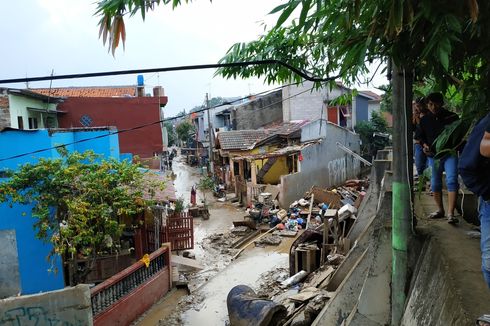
453, 24
287, 12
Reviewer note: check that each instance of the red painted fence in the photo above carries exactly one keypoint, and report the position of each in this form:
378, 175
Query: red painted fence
178, 231
127, 295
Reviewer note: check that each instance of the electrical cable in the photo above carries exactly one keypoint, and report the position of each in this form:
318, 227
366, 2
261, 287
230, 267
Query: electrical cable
147, 125
303, 74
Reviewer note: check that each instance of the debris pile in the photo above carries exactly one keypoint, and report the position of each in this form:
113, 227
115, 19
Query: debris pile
326, 215
308, 212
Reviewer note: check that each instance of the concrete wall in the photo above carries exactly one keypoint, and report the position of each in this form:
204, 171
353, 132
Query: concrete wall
435, 299
70, 306
373, 106
31, 252
309, 104
9, 265
323, 164
257, 113
123, 113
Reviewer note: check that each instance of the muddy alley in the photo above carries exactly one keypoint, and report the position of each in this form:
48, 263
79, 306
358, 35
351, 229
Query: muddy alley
209, 287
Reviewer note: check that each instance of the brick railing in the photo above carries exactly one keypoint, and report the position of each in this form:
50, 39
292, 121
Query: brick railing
126, 295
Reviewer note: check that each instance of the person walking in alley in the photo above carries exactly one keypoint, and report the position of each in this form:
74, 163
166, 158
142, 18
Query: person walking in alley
430, 127
419, 111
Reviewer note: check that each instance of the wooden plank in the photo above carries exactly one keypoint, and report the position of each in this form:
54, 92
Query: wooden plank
309, 211
305, 295
320, 276
325, 196
179, 260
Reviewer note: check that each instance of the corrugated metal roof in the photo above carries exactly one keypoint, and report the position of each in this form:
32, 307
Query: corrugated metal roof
95, 91
240, 139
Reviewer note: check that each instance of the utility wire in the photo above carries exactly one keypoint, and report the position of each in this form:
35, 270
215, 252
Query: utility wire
300, 73
147, 125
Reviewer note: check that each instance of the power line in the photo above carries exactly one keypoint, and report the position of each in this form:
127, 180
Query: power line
148, 124
303, 74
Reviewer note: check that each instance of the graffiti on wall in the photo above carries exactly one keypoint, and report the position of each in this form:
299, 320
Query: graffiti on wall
35, 316
337, 171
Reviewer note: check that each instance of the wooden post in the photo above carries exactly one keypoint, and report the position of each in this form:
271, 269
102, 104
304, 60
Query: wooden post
309, 212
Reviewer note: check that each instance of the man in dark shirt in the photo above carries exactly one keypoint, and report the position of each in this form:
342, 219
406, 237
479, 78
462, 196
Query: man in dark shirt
429, 128
485, 224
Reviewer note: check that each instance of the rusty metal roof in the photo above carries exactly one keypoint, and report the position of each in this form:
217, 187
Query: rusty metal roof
284, 151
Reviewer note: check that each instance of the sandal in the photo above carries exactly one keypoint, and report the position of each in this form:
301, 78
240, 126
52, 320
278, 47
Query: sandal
483, 320
435, 215
452, 220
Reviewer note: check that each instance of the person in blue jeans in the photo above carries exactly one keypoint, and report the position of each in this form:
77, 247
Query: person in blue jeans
430, 127
419, 111
485, 223
485, 214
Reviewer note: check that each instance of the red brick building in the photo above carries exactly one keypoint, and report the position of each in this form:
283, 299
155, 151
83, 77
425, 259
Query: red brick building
115, 106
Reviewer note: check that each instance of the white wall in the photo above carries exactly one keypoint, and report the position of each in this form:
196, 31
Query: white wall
373, 106
19, 105
323, 164
309, 104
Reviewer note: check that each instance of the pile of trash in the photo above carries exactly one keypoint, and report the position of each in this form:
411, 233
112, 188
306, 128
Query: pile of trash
308, 212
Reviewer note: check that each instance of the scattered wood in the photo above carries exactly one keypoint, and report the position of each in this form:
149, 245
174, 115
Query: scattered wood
305, 295
253, 241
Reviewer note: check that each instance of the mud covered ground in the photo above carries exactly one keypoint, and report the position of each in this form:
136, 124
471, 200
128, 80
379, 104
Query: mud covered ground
213, 240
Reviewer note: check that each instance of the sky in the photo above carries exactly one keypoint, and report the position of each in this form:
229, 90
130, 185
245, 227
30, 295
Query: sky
42, 36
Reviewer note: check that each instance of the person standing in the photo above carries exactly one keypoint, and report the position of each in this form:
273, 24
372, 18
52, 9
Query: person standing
485, 205
430, 127
419, 111
475, 172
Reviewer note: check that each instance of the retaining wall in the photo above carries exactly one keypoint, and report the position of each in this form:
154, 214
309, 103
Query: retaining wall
67, 307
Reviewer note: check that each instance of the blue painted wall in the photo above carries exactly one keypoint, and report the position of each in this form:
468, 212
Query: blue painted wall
362, 112
32, 252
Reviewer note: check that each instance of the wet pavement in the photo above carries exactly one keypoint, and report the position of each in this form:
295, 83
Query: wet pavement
207, 304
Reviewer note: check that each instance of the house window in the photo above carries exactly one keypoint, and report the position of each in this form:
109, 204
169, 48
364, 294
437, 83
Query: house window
292, 163
20, 123
32, 123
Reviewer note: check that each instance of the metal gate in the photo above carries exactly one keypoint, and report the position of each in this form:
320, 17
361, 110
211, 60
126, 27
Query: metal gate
179, 231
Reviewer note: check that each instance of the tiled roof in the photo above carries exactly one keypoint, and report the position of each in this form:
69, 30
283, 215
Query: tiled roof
240, 139
96, 91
